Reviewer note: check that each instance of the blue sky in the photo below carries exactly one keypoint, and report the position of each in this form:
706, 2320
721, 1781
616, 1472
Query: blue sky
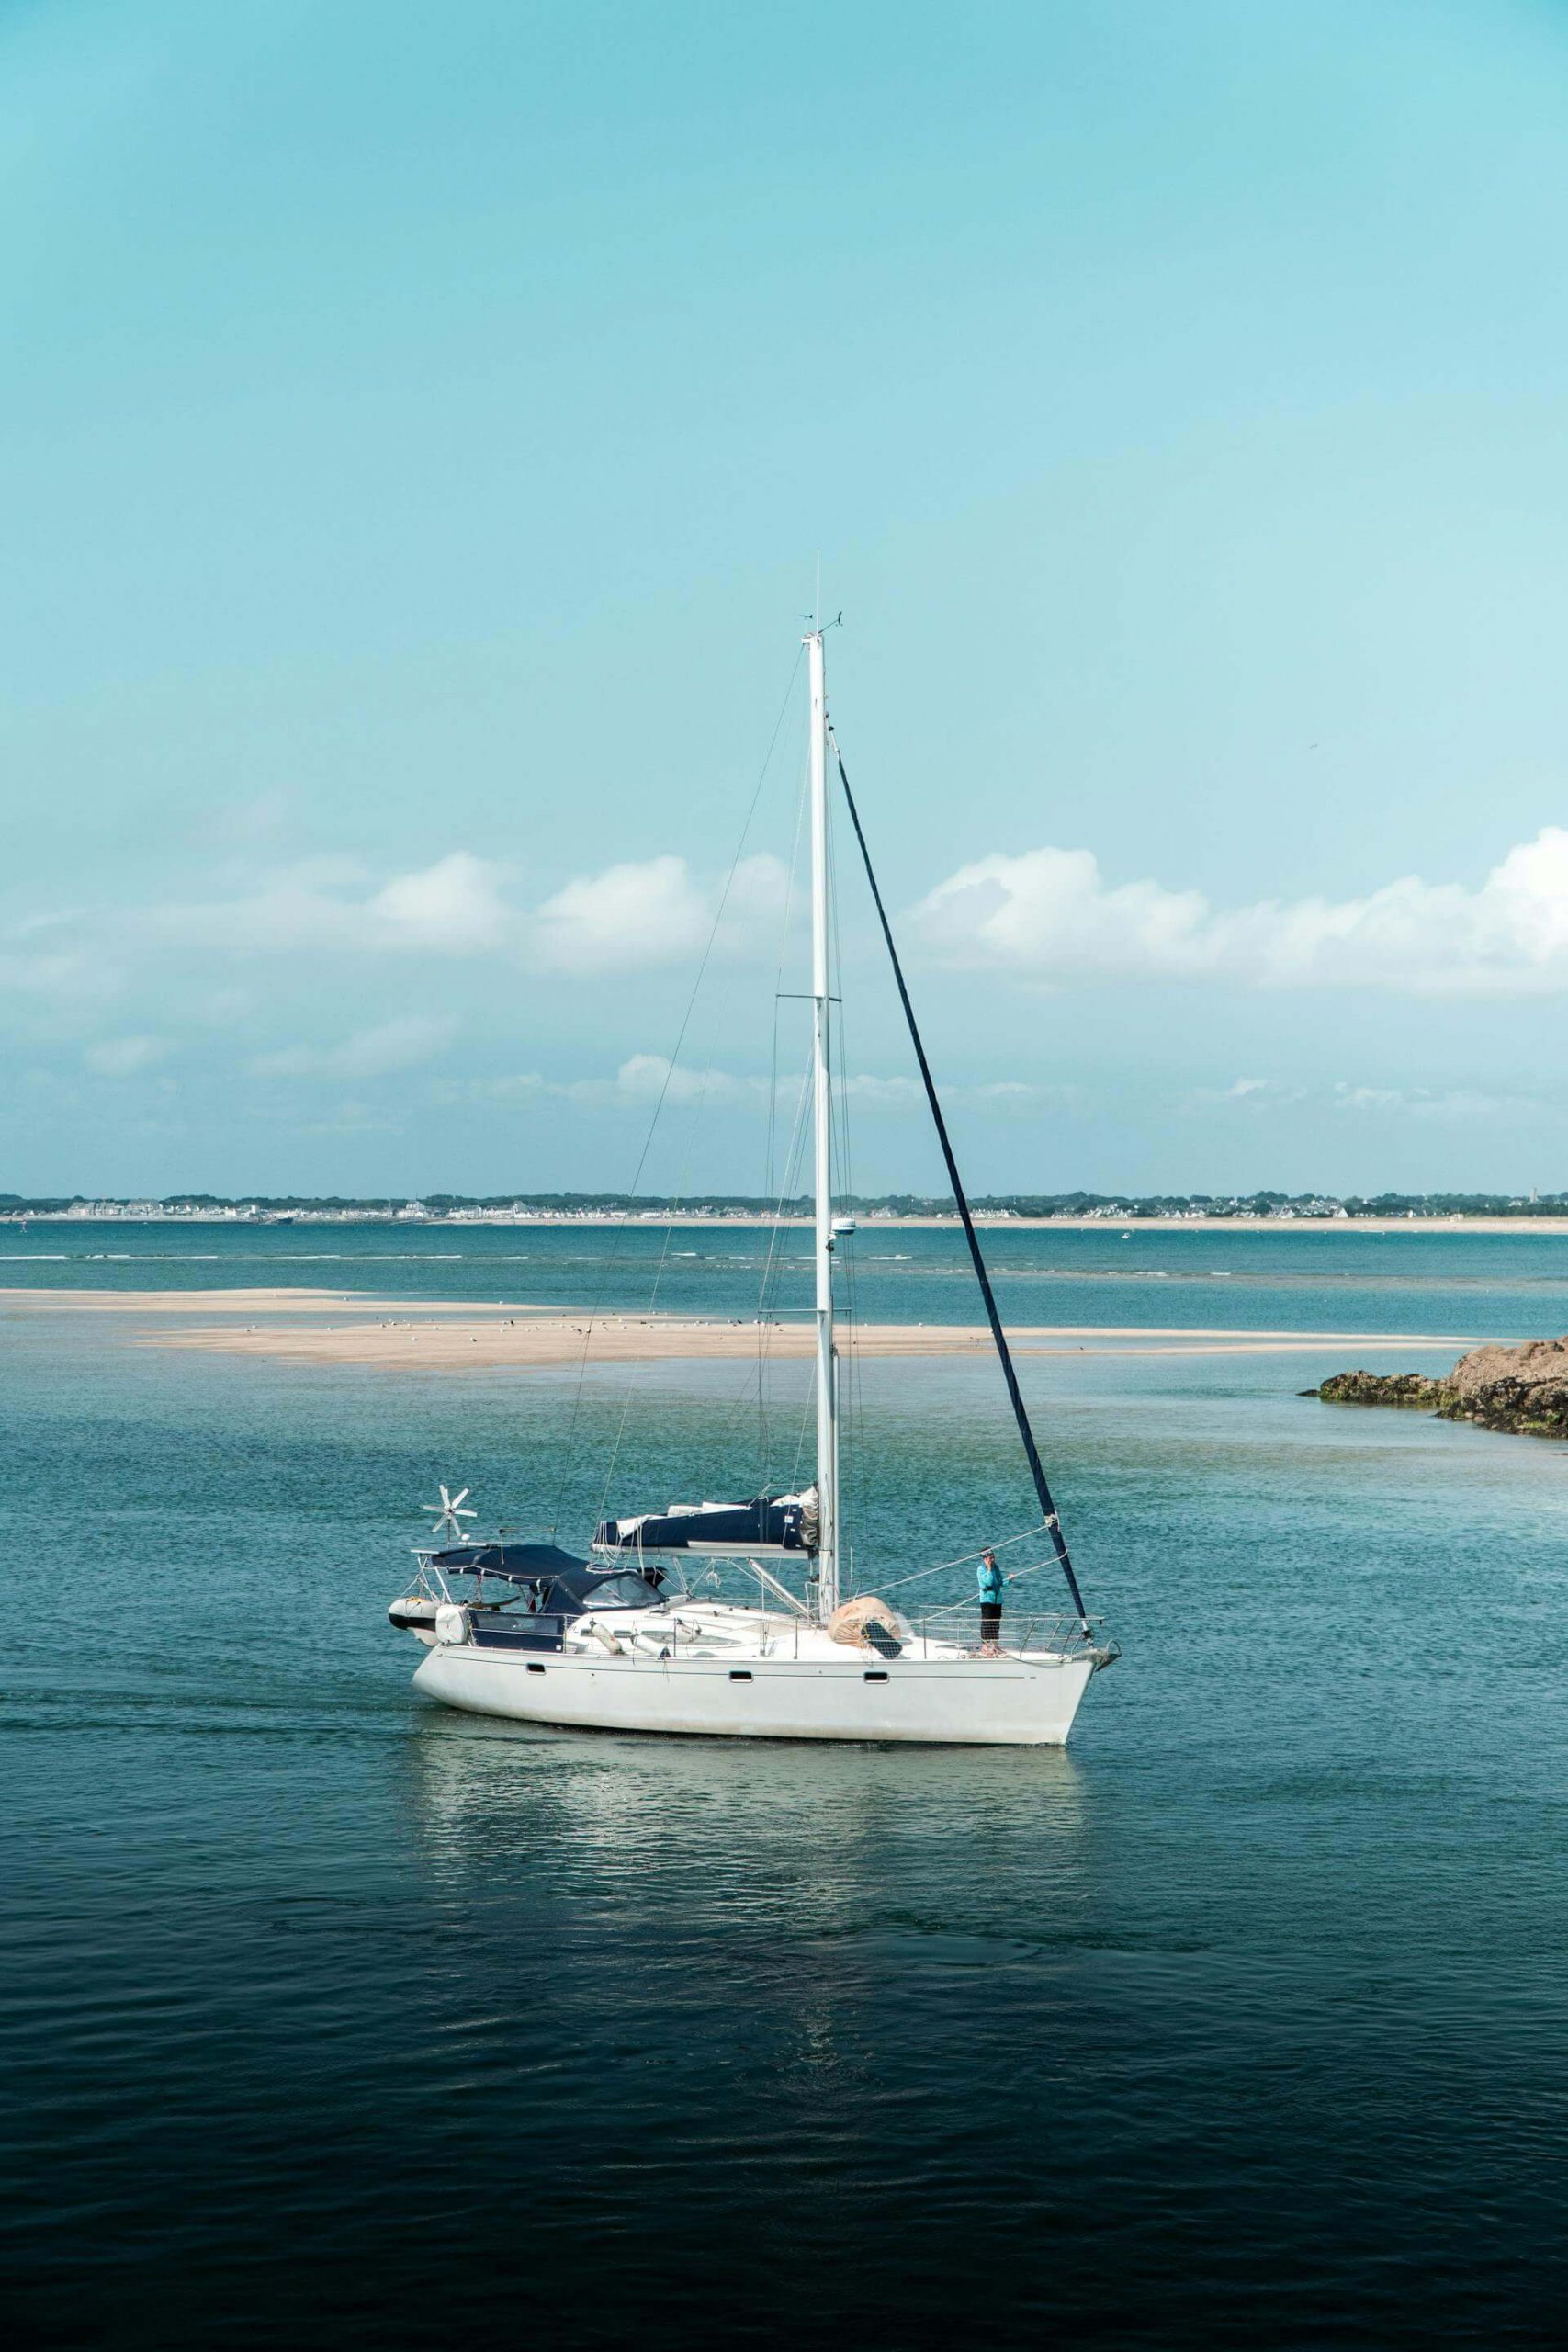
419, 428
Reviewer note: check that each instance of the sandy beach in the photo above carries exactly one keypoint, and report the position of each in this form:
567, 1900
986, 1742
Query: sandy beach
326, 1326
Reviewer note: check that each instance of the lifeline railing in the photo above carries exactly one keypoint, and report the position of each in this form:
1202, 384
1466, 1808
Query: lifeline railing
1061, 1635
1064, 1635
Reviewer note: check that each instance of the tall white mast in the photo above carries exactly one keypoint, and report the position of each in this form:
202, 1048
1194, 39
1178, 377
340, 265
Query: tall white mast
822, 1074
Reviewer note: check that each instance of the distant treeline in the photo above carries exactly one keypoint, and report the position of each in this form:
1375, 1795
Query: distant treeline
1022, 1205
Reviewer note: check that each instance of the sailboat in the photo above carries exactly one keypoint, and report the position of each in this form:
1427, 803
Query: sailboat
624, 1639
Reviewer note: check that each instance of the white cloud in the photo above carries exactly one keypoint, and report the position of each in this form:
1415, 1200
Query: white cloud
643, 1081
297, 906
1262, 1095
653, 911
453, 908
883, 1094
1049, 914
1422, 1102
1257, 1093
658, 911
1369, 1098
65, 979
123, 1056
369, 1053
647, 1079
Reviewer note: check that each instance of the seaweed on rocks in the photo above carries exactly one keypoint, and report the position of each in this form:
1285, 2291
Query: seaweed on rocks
1406, 1388
1523, 1390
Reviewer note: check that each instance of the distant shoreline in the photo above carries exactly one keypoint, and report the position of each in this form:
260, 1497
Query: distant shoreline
57, 1221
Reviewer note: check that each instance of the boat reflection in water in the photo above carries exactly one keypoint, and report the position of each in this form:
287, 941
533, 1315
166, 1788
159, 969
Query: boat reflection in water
627, 1872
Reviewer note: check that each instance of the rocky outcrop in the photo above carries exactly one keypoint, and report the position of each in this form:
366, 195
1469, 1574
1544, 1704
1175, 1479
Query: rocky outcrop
1381, 1388
1513, 1388
1523, 1389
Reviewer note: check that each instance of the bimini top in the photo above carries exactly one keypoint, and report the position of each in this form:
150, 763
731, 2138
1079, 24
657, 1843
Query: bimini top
773, 1523
563, 1586
522, 1563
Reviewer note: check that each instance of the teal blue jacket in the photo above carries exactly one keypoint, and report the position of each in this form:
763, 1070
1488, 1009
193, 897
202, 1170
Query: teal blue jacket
988, 1577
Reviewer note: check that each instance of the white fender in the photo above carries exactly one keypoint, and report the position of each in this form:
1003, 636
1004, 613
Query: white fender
451, 1624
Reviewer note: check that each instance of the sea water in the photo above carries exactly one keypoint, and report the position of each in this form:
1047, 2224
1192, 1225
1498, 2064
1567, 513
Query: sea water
1322, 1278
333, 2018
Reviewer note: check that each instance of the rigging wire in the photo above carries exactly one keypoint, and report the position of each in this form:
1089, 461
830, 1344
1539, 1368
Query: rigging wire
763, 1347
752, 1388
963, 1560
701, 1107
779, 1183
570, 1453
663, 1260
767, 1323
1004, 1353
852, 1495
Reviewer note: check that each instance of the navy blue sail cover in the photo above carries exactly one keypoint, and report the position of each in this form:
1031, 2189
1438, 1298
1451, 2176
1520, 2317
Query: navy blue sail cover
771, 1523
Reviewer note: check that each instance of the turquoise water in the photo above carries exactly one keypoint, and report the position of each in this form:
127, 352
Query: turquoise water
332, 2019
1477, 1285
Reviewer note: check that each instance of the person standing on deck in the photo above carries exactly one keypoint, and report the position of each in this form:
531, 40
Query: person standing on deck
989, 1578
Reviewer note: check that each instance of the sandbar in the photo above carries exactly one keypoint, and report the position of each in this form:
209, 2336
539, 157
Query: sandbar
348, 1328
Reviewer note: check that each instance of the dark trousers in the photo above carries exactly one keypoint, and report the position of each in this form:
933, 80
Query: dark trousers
990, 1620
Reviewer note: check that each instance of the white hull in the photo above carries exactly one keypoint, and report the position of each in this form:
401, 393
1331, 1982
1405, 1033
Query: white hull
1010, 1701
